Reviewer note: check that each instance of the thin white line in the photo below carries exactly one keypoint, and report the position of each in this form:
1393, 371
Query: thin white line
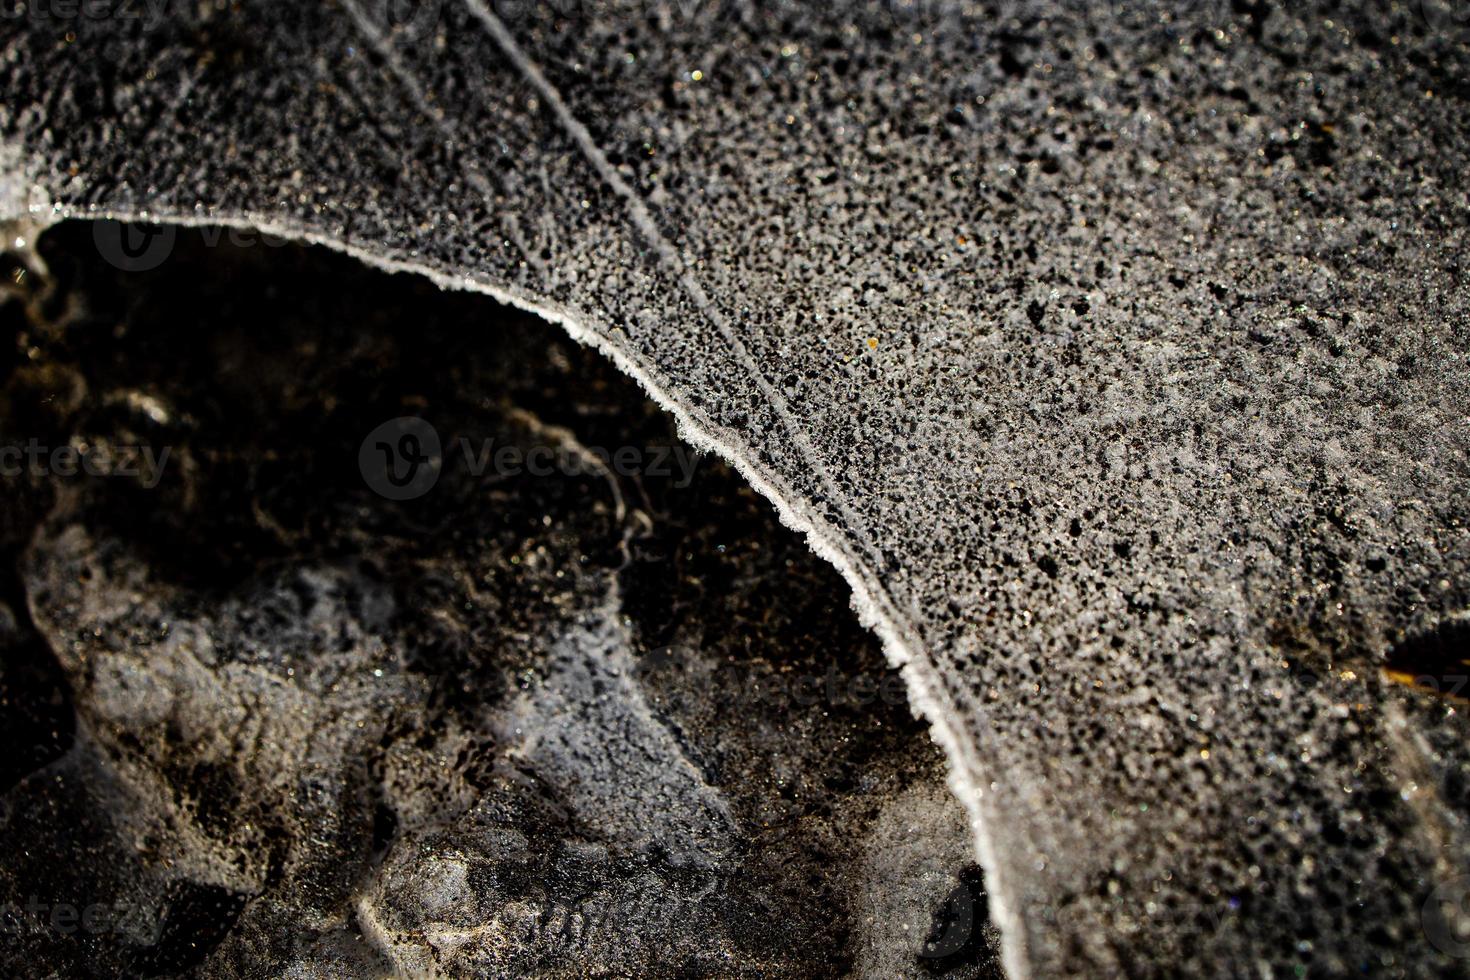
648, 228
446, 127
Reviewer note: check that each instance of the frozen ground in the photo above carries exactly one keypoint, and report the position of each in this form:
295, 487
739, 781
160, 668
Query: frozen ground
1114, 355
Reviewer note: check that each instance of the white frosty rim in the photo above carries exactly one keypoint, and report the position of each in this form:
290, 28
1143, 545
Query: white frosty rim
928, 697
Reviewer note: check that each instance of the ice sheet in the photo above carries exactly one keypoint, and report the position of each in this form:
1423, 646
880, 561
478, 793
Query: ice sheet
1115, 355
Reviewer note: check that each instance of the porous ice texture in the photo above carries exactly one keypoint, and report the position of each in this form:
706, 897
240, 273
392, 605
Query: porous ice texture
1115, 354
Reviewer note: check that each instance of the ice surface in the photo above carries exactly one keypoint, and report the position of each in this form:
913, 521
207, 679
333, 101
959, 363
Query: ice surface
1115, 355
586, 720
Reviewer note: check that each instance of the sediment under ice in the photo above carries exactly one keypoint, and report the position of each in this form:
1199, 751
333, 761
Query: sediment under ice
1114, 354
538, 720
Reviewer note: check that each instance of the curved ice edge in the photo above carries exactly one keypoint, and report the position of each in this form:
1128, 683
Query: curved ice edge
928, 698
